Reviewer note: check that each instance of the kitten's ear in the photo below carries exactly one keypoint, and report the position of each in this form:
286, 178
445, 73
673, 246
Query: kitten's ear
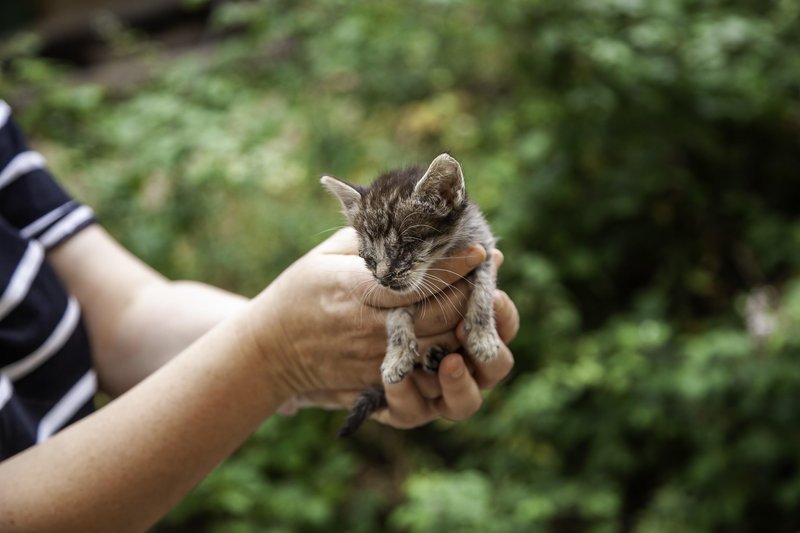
443, 183
348, 195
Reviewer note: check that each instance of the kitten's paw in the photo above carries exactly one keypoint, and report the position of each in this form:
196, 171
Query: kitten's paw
398, 362
395, 371
432, 359
483, 344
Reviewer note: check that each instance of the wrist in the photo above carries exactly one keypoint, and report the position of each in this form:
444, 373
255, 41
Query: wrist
266, 344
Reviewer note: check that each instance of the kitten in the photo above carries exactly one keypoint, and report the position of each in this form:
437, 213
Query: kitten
405, 221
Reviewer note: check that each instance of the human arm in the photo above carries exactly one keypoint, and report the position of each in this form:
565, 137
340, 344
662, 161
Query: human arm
137, 319
125, 466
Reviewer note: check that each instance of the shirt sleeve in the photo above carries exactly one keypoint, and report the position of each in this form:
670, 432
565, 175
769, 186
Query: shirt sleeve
30, 199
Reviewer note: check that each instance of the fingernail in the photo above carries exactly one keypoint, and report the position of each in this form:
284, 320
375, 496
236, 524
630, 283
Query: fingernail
457, 373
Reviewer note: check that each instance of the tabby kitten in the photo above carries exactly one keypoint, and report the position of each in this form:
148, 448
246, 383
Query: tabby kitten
405, 221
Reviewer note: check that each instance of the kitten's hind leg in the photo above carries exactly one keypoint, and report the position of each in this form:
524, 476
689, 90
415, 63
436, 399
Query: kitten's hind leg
483, 343
434, 356
401, 348
401, 354
369, 401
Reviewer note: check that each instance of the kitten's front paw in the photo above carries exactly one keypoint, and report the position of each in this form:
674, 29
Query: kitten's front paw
398, 362
483, 344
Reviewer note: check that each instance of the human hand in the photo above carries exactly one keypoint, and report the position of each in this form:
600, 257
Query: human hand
454, 393
321, 324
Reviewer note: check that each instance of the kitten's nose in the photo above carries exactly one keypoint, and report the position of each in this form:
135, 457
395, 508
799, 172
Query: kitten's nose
386, 280
385, 276
382, 272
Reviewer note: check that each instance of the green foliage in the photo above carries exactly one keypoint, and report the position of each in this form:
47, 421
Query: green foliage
455, 501
638, 160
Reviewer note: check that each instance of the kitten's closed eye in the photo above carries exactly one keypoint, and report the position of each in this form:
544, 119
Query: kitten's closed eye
368, 259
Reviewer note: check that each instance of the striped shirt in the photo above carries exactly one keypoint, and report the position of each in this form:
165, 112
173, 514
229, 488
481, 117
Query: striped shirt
46, 378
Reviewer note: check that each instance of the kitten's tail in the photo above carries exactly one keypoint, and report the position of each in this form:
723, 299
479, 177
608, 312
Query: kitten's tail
369, 401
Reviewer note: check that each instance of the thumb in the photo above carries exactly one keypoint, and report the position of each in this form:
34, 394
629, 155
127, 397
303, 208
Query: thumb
343, 242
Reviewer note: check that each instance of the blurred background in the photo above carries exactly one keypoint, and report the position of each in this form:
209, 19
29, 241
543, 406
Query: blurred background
638, 159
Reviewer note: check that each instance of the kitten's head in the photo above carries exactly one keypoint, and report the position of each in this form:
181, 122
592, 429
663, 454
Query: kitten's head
405, 220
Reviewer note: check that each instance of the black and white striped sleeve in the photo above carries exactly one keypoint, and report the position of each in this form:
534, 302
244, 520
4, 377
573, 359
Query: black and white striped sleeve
30, 199
46, 375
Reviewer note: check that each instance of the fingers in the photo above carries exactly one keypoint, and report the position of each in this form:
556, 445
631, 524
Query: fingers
461, 396
447, 307
498, 258
443, 311
487, 375
506, 316
427, 384
358, 283
453, 268
447, 342
343, 242
407, 407
422, 398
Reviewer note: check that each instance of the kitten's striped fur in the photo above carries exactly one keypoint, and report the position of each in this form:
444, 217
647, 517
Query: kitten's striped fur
406, 221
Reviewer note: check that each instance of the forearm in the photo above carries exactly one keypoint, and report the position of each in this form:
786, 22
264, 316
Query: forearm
125, 466
161, 321
137, 319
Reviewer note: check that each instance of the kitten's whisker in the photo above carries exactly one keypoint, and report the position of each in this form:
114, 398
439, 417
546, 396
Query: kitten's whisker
459, 291
441, 304
436, 283
433, 293
334, 228
449, 300
436, 258
451, 272
426, 302
365, 304
358, 286
362, 305
419, 292
438, 299
441, 257
426, 291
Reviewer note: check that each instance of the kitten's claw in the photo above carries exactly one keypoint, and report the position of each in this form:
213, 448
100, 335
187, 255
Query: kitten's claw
398, 362
483, 345
393, 374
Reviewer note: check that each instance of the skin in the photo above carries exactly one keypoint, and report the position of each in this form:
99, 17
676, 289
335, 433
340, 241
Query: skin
195, 370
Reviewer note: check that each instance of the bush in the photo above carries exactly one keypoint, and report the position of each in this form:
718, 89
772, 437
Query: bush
636, 158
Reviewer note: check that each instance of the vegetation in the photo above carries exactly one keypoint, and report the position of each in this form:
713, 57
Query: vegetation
639, 161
